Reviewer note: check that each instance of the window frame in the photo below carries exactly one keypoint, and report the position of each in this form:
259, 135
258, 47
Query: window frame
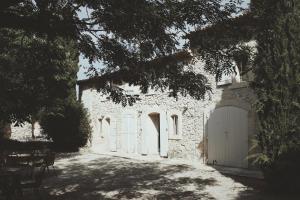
172, 134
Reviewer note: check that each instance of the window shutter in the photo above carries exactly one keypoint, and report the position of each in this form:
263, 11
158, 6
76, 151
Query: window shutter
143, 143
163, 134
113, 135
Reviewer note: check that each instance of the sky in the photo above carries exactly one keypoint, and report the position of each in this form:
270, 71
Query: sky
83, 63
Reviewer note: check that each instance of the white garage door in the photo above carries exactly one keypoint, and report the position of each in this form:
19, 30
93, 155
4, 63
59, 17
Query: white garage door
228, 137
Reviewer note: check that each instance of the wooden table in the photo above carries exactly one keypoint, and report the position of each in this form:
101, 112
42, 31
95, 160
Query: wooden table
24, 159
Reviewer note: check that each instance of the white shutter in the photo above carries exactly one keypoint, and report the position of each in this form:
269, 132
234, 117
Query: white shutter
144, 149
124, 134
132, 133
163, 135
129, 133
113, 136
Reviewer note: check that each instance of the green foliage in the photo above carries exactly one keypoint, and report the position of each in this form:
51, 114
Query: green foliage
224, 43
67, 124
125, 35
33, 72
277, 85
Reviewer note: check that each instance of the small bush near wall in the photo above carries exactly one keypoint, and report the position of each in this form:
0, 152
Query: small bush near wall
67, 124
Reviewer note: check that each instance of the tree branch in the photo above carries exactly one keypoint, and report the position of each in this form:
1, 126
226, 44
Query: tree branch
7, 3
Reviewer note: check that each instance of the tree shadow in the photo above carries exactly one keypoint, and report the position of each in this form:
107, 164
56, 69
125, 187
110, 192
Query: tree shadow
257, 190
119, 178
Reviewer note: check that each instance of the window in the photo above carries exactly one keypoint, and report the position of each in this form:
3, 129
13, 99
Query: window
225, 79
104, 127
174, 124
100, 127
229, 78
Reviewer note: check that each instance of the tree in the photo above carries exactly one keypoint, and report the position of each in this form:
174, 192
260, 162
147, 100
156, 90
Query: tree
224, 43
277, 85
67, 124
33, 73
275, 26
126, 35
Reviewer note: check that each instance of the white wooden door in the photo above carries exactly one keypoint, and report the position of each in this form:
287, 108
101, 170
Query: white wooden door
228, 137
128, 136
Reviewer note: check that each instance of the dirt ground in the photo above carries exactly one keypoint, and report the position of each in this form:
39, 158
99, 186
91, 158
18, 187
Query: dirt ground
92, 176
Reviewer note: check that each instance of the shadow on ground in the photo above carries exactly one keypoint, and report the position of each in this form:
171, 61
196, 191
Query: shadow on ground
257, 190
119, 178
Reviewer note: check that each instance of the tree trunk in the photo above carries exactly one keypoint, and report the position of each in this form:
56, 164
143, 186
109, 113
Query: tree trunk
5, 130
32, 128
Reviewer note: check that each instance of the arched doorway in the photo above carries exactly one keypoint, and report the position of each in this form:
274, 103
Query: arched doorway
153, 133
227, 130
105, 129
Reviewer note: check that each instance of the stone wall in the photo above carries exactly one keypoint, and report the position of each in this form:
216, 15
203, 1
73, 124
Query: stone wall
193, 143
24, 132
192, 112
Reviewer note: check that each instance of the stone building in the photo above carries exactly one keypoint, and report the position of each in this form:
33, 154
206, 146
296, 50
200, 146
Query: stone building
216, 130
26, 131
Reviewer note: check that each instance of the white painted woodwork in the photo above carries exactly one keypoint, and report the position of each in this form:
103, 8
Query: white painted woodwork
144, 124
128, 133
132, 133
106, 129
124, 134
163, 135
113, 136
228, 137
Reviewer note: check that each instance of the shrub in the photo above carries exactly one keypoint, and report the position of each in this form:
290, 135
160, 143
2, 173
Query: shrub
283, 174
67, 124
276, 84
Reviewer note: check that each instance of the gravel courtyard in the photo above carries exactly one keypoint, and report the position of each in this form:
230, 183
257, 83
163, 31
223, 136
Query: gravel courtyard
91, 176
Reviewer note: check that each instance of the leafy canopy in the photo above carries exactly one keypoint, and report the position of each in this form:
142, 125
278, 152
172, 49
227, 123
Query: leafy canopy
33, 73
124, 34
